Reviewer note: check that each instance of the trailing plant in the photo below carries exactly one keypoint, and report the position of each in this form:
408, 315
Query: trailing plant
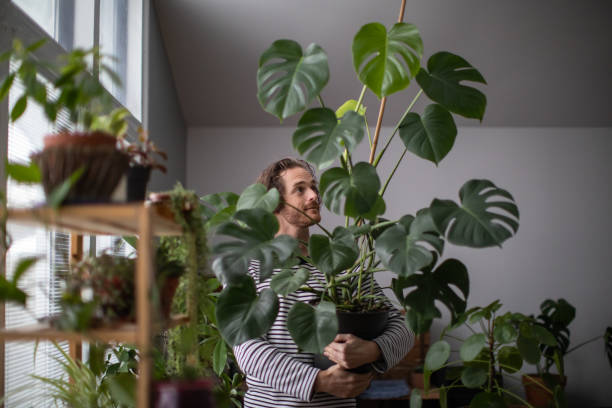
79, 92
498, 344
289, 80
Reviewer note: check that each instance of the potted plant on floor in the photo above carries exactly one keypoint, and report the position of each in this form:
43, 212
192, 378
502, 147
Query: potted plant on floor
84, 163
555, 316
497, 344
289, 79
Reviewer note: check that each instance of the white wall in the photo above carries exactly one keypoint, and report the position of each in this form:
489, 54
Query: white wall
560, 179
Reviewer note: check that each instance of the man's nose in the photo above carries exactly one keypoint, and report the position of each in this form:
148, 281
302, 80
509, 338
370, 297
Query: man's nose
312, 195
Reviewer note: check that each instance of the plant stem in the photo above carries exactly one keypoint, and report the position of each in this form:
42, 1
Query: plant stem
360, 100
307, 216
320, 101
517, 397
382, 192
381, 112
382, 152
583, 344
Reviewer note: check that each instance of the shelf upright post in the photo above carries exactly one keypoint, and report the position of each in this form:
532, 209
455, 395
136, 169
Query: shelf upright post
76, 255
144, 275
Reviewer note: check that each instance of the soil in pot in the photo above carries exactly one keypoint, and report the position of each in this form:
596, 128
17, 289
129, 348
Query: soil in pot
535, 389
366, 325
137, 180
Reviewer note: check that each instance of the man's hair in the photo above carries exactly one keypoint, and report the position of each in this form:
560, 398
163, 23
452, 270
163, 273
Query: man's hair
271, 175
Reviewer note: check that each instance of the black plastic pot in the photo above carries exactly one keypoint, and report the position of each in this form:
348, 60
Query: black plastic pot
365, 325
137, 180
183, 394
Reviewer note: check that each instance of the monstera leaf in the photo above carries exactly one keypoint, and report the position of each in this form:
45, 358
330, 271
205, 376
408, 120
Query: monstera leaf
442, 85
218, 208
331, 256
253, 235
312, 328
324, 137
427, 288
288, 281
430, 136
288, 79
349, 106
357, 190
242, 314
402, 248
381, 58
473, 224
258, 196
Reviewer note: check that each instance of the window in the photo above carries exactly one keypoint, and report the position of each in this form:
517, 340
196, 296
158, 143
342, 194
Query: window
70, 23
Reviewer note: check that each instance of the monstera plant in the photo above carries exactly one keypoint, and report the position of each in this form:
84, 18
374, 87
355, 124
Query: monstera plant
289, 80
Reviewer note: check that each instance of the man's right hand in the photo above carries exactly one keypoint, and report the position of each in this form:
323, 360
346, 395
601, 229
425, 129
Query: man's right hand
341, 383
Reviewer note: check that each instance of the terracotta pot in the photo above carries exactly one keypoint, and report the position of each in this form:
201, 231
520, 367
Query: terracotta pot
535, 391
183, 394
366, 325
96, 153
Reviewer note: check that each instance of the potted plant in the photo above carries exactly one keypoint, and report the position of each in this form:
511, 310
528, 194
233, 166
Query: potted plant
142, 161
289, 79
497, 343
85, 162
556, 316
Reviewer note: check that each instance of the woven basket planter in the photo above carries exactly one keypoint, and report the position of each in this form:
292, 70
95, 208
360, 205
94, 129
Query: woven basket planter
103, 165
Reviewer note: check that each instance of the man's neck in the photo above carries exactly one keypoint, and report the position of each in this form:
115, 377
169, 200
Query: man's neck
302, 234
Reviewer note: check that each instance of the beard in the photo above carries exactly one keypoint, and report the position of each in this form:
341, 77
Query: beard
296, 218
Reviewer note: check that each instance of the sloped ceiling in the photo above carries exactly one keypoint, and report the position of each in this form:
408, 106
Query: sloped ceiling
547, 63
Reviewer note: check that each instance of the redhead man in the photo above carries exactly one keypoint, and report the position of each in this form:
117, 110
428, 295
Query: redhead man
278, 374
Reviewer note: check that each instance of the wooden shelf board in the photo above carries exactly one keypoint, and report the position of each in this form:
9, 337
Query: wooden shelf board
98, 219
124, 333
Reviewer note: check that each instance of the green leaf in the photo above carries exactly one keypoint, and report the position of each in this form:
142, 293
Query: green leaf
349, 106
23, 266
19, 108
386, 62
218, 208
529, 349
288, 79
482, 220
122, 388
510, 359
543, 336
254, 239
324, 137
219, 357
405, 247
431, 136
242, 314
355, 193
437, 355
504, 333
57, 196
23, 174
9, 292
331, 256
471, 346
288, 281
487, 400
312, 328
257, 196
416, 400
442, 84
474, 377
6, 85
36, 45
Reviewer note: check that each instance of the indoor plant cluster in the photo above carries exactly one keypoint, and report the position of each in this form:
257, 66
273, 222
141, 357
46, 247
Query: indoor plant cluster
289, 78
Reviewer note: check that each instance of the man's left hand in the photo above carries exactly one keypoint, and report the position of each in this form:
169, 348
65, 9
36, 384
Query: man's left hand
349, 351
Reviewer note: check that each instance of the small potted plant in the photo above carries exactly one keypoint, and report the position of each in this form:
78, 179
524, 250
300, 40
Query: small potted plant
85, 161
142, 161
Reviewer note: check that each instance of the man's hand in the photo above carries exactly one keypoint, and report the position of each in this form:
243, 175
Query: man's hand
349, 351
341, 383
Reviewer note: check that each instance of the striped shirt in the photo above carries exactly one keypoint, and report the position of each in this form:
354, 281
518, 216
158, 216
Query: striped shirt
279, 375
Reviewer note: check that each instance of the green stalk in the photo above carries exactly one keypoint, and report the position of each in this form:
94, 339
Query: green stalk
382, 191
517, 397
382, 152
583, 344
320, 101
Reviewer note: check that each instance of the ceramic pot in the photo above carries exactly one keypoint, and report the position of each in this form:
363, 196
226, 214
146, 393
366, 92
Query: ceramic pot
95, 152
366, 325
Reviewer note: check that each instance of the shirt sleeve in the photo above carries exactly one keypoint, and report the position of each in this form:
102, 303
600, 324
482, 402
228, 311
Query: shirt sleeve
396, 340
264, 362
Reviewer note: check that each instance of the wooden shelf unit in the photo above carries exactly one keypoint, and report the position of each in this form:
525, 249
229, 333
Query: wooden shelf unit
145, 220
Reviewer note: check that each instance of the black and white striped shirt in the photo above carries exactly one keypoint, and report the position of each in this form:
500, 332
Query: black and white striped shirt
278, 375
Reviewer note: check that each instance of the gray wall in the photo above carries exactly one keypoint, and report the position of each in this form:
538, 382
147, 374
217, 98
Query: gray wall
560, 180
164, 120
